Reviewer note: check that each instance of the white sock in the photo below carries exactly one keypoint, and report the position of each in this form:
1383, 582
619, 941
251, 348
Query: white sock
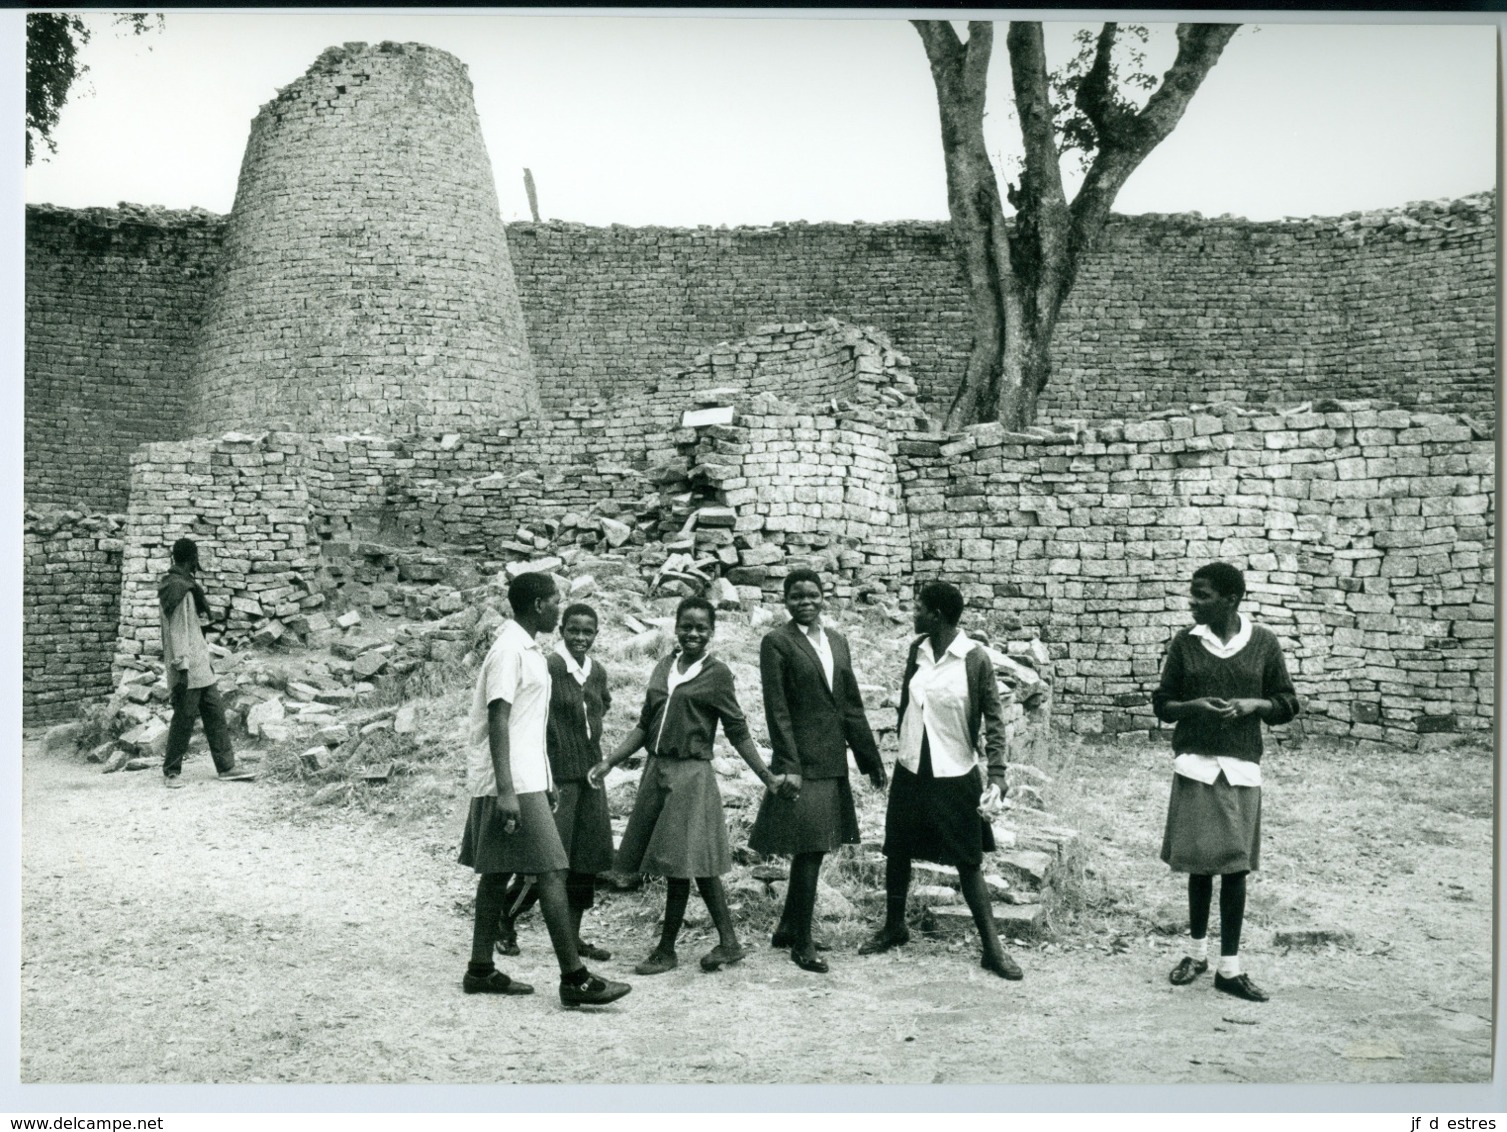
1199, 949
1229, 966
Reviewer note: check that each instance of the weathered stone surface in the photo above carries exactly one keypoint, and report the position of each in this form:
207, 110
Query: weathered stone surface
268, 711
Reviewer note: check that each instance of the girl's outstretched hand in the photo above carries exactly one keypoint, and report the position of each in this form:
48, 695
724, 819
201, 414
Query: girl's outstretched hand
597, 775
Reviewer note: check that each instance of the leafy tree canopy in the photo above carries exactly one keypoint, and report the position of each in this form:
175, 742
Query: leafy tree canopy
53, 42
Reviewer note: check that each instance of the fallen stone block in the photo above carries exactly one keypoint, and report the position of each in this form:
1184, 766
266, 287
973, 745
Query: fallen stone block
100, 753
277, 731
1025, 866
268, 711
932, 894
315, 758
141, 738
64, 737
1313, 937
1022, 922
334, 792
406, 722
381, 772
117, 760
347, 619
368, 664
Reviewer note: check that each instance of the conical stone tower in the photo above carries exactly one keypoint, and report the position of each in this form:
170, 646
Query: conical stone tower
365, 283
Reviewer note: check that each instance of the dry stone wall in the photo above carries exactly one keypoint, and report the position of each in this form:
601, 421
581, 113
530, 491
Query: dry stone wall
365, 280
112, 302
70, 611
1169, 311
1366, 533
243, 499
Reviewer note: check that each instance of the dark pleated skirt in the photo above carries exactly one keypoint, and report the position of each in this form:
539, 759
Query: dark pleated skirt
677, 827
936, 819
1212, 827
820, 820
533, 848
585, 827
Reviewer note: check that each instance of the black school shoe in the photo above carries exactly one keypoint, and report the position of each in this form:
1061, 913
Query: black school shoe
1240, 986
507, 938
494, 982
1003, 966
883, 940
595, 991
1187, 970
809, 960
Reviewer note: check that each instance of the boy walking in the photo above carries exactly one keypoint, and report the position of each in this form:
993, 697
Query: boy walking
185, 664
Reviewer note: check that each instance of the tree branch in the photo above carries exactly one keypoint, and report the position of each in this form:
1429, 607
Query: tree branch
1095, 95
1133, 137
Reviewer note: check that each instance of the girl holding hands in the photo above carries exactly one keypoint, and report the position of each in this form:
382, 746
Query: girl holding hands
677, 829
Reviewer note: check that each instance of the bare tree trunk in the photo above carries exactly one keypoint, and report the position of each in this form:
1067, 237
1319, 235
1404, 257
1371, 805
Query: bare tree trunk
1018, 280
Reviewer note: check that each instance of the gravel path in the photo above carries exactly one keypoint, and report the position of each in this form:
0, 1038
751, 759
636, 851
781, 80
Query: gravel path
226, 933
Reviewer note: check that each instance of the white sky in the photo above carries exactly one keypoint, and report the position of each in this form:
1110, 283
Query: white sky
683, 121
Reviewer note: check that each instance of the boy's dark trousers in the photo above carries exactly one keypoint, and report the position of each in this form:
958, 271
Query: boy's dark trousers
208, 706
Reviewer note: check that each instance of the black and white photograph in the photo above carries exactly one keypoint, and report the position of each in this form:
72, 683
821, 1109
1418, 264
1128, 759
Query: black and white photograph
757, 549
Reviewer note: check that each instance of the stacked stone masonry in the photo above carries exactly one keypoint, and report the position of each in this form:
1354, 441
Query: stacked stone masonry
244, 500
70, 610
365, 280
1169, 310
1367, 536
113, 298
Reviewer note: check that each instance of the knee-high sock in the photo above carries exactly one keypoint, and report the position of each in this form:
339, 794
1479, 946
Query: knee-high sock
800, 898
896, 887
491, 899
715, 897
1231, 912
677, 894
976, 892
1200, 896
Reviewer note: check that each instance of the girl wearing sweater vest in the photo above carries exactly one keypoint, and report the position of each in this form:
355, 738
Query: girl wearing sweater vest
1222, 678
677, 829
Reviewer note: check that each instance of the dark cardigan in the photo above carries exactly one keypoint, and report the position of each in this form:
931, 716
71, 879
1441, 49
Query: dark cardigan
983, 702
572, 752
693, 712
1192, 672
811, 726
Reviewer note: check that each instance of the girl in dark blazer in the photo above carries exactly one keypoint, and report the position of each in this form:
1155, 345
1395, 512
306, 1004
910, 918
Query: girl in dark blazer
948, 701
677, 829
814, 712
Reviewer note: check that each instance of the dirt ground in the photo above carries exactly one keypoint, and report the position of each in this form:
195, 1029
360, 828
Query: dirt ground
227, 932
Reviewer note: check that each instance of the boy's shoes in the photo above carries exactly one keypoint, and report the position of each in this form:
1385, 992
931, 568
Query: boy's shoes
236, 774
592, 951
883, 940
1003, 966
494, 982
1188, 970
722, 955
808, 960
658, 963
784, 937
594, 991
172, 782
507, 939
1240, 986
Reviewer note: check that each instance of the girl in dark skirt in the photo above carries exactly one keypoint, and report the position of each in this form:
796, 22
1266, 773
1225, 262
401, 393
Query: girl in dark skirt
938, 799
579, 699
1221, 679
814, 712
677, 829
